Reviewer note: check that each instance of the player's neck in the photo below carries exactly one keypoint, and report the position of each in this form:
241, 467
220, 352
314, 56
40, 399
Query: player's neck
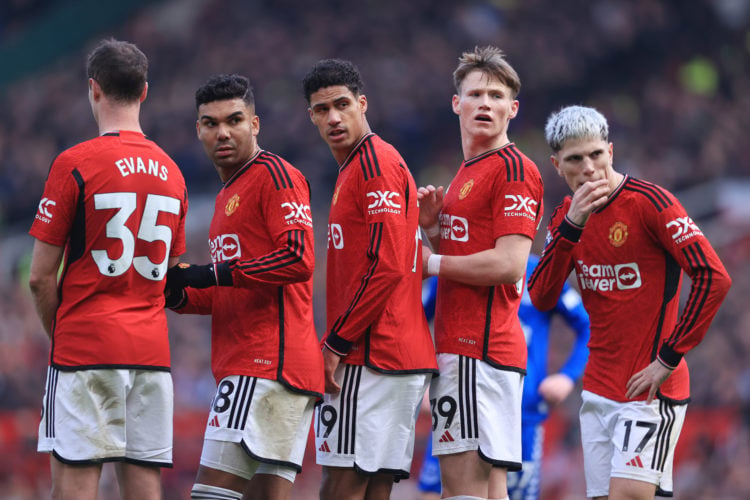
473, 145
111, 118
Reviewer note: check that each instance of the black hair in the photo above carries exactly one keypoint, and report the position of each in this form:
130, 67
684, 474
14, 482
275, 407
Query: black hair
223, 87
332, 72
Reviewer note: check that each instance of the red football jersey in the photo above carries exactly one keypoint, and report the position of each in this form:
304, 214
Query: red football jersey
263, 325
374, 266
629, 260
495, 194
117, 204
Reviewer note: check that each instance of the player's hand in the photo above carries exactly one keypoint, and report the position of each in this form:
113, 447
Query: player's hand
331, 361
555, 388
587, 198
430, 203
649, 379
190, 275
174, 298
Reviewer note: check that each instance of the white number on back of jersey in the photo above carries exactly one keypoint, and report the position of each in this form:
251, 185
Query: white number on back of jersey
148, 230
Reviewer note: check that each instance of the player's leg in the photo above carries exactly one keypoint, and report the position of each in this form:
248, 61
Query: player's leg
464, 473
379, 487
72, 482
621, 488
138, 482
271, 482
342, 483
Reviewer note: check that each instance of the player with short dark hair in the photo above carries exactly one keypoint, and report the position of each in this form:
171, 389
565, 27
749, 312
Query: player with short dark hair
629, 241
378, 351
481, 230
258, 290
114, 207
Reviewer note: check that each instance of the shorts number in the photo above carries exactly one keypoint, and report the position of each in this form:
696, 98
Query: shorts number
222, 401
148, 230
628, 426
445, 407
327, 417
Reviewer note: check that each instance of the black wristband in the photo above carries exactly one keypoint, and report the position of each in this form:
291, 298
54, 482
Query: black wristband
338, 345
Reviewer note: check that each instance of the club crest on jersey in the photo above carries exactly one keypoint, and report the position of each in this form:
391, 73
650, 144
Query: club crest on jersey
336, 194
465, 189
232, 205
618, 234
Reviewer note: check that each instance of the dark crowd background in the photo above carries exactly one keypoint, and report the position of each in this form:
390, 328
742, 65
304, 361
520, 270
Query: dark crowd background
673, 78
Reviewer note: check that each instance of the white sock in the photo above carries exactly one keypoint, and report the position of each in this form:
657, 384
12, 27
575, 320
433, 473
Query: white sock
208, 492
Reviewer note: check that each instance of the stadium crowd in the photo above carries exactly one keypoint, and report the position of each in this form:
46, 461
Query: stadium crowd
672, 78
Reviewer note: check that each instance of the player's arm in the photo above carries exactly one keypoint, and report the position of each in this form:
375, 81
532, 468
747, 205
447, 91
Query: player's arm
505, 263
386, 263
45, 263
546, 282
286, 213
709, 284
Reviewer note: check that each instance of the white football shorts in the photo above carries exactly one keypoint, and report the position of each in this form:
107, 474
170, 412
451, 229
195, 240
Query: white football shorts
476, 407
268, 421
93, 416
370, 425
631, 440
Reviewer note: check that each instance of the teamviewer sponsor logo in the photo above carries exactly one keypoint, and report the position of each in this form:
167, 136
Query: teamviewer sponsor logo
225, 247
335, 236
453, 227
607, 278
43, 212
297, 213
517, 205
682, 229
383, 202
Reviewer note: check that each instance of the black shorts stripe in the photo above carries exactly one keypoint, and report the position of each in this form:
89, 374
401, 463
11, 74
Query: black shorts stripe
467, 397
661, 448
52, 376
348, 409
243, 396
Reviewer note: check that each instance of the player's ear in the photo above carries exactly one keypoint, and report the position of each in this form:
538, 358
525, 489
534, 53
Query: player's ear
556, 164
362, 99
455, 102
144, 93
